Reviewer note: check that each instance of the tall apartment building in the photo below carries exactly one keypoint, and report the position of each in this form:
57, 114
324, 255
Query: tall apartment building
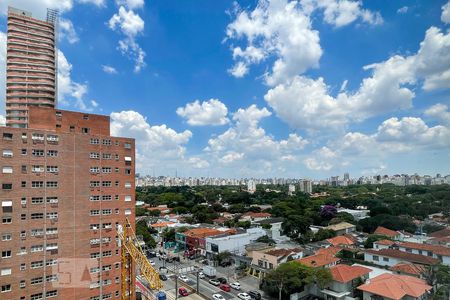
30, 65
65, 185
305, 186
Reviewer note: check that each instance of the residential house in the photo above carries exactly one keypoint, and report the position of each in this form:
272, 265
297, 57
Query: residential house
395, 287
345, 280
342, 228
411, 269
267, 260
255, 216
383, 244
437, 251
161, 226
345, 241
274, 231
387, 232
324, 257
391, 257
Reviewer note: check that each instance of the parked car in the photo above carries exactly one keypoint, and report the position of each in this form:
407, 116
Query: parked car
183, 292
218, 297
225, 264
255, 295
183, 278
225, 287
214, 282
244, 296
222, 280
152, 262
201, 275
236, 285
162, 277
204, 262
176, 258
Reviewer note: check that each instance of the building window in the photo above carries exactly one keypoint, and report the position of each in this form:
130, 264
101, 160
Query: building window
36, 264
23, 184
7, 153
72, 128
127, 211
52, 184
106, 198
94, 170
94, 155
23, 267
37, 169
85, 130
106, 142
376, 258
37, 152
52, 169
37, 184
7, 186
127, 198
94, 212
127, 171
95, 141
52, 200
7, 136
52, 138
23, 217
106, 183
127, 145
37, 137
127, 184
37, 200
385, 258
94, 183
6, 253
6, 288
106, 170
106, 155
116, 197
50, 294
52, 215
94, 198
6, 220
7, 170
5, 272
23, 151
94, 226
116, 183
52, 153
6, 237
37, 248
36, 216
106, 211
24, 169
117, 170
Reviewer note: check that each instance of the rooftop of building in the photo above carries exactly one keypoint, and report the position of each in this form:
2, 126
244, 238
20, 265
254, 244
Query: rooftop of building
346, 273
436, 249
409, 268
323, 257
346, 240
441, 233
161, 224
405, 256
340, 226
257, 215
396, 287
385, 242
205, 232
270, 221
385, 231
283, 252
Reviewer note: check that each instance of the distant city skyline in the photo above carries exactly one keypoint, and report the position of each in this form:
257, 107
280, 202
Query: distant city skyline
268, 88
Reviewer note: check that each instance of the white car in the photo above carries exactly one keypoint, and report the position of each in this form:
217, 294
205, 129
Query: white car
183, 278
201, 275
218, 297
244, 296
152, 262
236, 285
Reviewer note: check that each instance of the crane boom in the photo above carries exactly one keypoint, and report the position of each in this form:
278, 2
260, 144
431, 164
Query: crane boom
132, 254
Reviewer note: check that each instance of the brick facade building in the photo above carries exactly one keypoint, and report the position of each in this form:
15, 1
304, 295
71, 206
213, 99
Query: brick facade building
65, 185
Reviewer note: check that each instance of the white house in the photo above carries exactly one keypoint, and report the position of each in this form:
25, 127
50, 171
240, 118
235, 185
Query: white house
391, 257
436, 251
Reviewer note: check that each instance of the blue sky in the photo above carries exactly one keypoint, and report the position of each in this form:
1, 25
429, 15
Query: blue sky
308, 88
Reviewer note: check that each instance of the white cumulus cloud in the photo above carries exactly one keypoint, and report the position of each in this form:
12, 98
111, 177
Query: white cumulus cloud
99, 3
440, 112
445, 17
156, 145
131, 4
109, 69
306, 103
67, 31
211, 112
130, 24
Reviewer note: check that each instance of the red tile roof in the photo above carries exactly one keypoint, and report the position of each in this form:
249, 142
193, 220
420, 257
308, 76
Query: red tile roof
205, 232
436, 249
396, 287
323, 257
345, 273
385, 242
283, 252
341, 240
441, 233
415, 258
257, 215
408, 268
384, 231
161, 224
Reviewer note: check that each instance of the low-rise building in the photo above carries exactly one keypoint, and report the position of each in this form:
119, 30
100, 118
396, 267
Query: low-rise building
232, 243
267, 260
411, 269
193, 241
395, 287
345, 241
342, 228
391, 257
383, 244
437, 251
273, 227
255, 216
323, 258
387, 232
345, 280
356, 214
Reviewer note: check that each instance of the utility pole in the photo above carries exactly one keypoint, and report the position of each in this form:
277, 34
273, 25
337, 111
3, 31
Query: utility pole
176, 285
198, 282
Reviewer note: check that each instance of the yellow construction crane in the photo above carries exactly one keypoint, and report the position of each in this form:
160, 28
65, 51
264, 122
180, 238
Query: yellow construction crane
132, 255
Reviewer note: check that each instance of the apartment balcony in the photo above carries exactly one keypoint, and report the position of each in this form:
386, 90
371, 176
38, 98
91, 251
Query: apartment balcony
22, 42
21, 48
38, 32
17, 54
30, 61
29, 38
31, 81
